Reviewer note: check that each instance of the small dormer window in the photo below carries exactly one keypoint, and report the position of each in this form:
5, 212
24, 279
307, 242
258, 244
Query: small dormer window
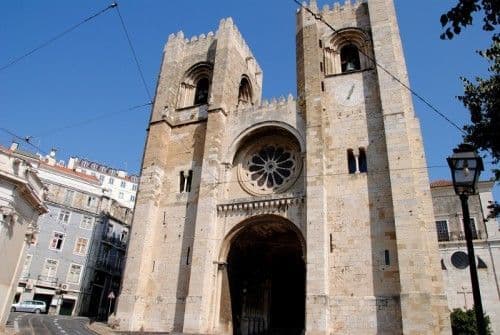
349, 58
201, 93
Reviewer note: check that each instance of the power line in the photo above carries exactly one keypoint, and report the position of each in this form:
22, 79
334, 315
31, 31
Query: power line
319, 17
58, 36
134, 54
25, 139
87, 121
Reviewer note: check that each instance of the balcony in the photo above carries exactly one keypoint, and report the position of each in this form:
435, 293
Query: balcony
106, 266
459, 236
114, 241
47, 281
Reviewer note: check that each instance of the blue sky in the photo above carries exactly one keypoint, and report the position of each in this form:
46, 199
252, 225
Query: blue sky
90, 75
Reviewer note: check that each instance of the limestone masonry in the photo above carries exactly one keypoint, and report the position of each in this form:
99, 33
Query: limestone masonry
286, 216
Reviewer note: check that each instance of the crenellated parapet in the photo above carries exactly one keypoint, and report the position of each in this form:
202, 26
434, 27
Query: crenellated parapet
338, 7
340, 15
204, 41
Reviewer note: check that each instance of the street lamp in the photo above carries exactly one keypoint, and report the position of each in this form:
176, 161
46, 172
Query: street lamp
466, 166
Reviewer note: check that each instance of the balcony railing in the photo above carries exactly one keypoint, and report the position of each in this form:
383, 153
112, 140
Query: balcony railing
459, 236
47, 280
108, 267
115, 241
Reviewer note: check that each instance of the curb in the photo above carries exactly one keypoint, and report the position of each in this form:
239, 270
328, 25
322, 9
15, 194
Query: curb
99, 328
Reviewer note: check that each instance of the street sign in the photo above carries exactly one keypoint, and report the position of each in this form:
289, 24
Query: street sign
111, 295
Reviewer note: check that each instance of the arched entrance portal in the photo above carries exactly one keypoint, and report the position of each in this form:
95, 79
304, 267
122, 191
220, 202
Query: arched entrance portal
267, 280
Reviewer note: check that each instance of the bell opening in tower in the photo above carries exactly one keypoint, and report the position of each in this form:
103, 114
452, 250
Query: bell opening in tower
267, 281
201, 93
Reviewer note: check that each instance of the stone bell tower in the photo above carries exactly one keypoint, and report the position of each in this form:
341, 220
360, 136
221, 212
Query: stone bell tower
201, 80
370, 193
285, 217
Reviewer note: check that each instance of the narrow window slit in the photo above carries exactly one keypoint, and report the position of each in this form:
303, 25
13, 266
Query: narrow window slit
189, 181
351, 161
187, 255
387, 258
182, 181
363, 167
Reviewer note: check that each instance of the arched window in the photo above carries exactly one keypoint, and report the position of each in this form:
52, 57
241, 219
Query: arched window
201, 93
195, 87
244, 92
349, 58
349, 49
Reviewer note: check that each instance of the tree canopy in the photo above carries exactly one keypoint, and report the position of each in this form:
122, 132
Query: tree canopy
482, 95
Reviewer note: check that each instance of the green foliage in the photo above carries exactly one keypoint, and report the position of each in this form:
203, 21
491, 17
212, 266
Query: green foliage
461, 16
464, 322
482, 99
482, 96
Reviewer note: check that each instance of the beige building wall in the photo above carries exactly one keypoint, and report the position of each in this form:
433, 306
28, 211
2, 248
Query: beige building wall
21, 202
367, 238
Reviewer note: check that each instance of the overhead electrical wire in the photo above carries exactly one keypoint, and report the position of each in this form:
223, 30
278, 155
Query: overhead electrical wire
320, 18
87, 121
25, 139
58, 36
134, 54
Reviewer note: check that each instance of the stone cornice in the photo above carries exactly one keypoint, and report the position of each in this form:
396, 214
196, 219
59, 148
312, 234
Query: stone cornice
261, 205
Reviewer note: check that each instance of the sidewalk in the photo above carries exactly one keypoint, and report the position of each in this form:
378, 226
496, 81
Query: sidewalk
100, 328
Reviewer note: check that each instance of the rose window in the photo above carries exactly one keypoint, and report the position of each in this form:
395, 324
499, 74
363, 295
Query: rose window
269, 168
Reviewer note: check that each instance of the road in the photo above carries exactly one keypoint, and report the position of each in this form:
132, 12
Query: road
41, 324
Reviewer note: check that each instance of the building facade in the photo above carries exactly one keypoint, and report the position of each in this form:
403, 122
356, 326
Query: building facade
65, 261
117, 184
21, 202
291, 216
453, 249
55, 263
108, 259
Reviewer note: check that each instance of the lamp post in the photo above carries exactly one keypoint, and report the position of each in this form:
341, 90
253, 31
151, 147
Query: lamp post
466, 166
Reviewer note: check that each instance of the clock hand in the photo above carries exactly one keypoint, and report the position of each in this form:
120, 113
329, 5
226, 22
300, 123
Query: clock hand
350, 92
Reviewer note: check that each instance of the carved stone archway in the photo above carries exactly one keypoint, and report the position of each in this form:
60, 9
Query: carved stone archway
263, 278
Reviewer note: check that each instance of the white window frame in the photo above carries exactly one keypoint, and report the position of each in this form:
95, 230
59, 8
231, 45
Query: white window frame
91, 222
75, 252
447, 229
90, 201
79, 275
27, 265
134, 187
121, 195
111, 181
56, 267
473, 219
52, 239
59, 216
123, 184
69, 196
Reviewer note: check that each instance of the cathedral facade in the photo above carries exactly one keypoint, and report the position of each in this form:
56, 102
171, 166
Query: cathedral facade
292, 216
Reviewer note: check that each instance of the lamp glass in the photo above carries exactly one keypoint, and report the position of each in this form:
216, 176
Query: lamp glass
465, 170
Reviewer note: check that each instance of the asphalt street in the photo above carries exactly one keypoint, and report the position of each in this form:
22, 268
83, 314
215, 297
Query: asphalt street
41, 324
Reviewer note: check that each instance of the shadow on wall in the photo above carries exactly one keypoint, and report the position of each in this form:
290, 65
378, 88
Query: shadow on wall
189, 229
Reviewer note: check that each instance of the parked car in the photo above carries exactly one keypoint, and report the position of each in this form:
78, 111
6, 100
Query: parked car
32, 306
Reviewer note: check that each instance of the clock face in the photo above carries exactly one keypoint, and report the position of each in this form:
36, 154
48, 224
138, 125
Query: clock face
349, 93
